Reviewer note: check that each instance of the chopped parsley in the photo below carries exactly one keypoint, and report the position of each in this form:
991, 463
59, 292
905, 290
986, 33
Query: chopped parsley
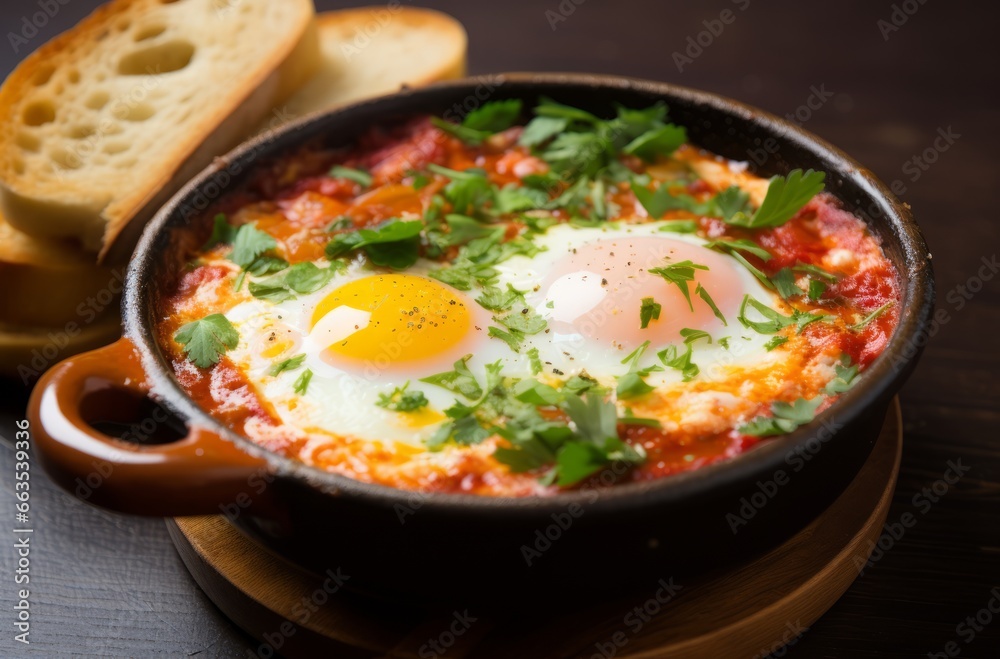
300, 279
785, 418
459, 380
632, 384
774, 321
578, 144
649, 310
207, 339
707, 299
484, 121
864, 322
302, 382
673, 358
816, 289
775, 342
401, 400
535, 361
359, 176
222, 232
846, 376
679, 226
574, 452
784, 284
679, 274
475, 260
289, 364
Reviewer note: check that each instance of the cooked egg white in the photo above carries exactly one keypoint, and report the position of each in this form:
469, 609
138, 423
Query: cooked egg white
367, 332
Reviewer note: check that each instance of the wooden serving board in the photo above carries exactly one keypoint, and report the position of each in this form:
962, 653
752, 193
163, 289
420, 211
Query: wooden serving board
744, 611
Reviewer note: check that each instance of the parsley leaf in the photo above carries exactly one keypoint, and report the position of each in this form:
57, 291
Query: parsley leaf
535, 361
816, 289
707, 299
864, 322
205, 340
816, 272
741, 245
519, 323
774, 321
222, 232
679, 274
541, 129
775, 342
359, 176
679, 361
484, 121
393, 244
784, 283
459, 380
475, 260
656, 142
248, 244
287, 365
301, 278
597, 442
401, 400
786, 195
537, 393
786, 418
649, 310
632, 384
680, 226
846, 375
512, 198
302, 383
469, 189
731, 201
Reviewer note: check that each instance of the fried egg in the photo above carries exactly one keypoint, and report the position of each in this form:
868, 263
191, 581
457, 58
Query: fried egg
368, 332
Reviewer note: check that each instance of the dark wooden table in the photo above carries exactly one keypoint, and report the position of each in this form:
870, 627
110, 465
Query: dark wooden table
885, 80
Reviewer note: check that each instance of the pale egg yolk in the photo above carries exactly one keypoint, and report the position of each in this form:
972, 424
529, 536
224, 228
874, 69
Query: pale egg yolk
596, 292
392, 322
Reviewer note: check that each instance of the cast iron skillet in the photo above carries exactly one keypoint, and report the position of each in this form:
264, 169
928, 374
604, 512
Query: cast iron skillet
394, 542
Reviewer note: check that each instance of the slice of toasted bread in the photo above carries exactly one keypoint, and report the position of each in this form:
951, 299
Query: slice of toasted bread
376, 50
27, 352
49, 283
102, 124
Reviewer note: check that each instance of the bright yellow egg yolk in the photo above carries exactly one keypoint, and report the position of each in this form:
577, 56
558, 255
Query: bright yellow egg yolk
391, 319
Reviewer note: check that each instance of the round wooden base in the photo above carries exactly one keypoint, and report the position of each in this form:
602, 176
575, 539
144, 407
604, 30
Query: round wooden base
743, 611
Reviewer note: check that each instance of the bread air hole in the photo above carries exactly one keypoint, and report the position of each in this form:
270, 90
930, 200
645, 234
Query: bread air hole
161, 58
148, 31
111, 148
28, 142
97, 100
138, 112
39, 112
65, 159
80, 132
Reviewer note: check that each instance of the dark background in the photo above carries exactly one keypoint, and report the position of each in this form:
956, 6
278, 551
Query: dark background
110, 584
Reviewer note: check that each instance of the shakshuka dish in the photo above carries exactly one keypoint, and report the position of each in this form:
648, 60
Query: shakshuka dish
510, 308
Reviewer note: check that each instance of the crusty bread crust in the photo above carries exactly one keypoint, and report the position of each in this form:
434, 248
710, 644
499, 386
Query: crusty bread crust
370, 51
60, 199
48, 283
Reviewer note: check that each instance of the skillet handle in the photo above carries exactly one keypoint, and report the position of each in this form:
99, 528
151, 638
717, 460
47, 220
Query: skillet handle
201, 473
